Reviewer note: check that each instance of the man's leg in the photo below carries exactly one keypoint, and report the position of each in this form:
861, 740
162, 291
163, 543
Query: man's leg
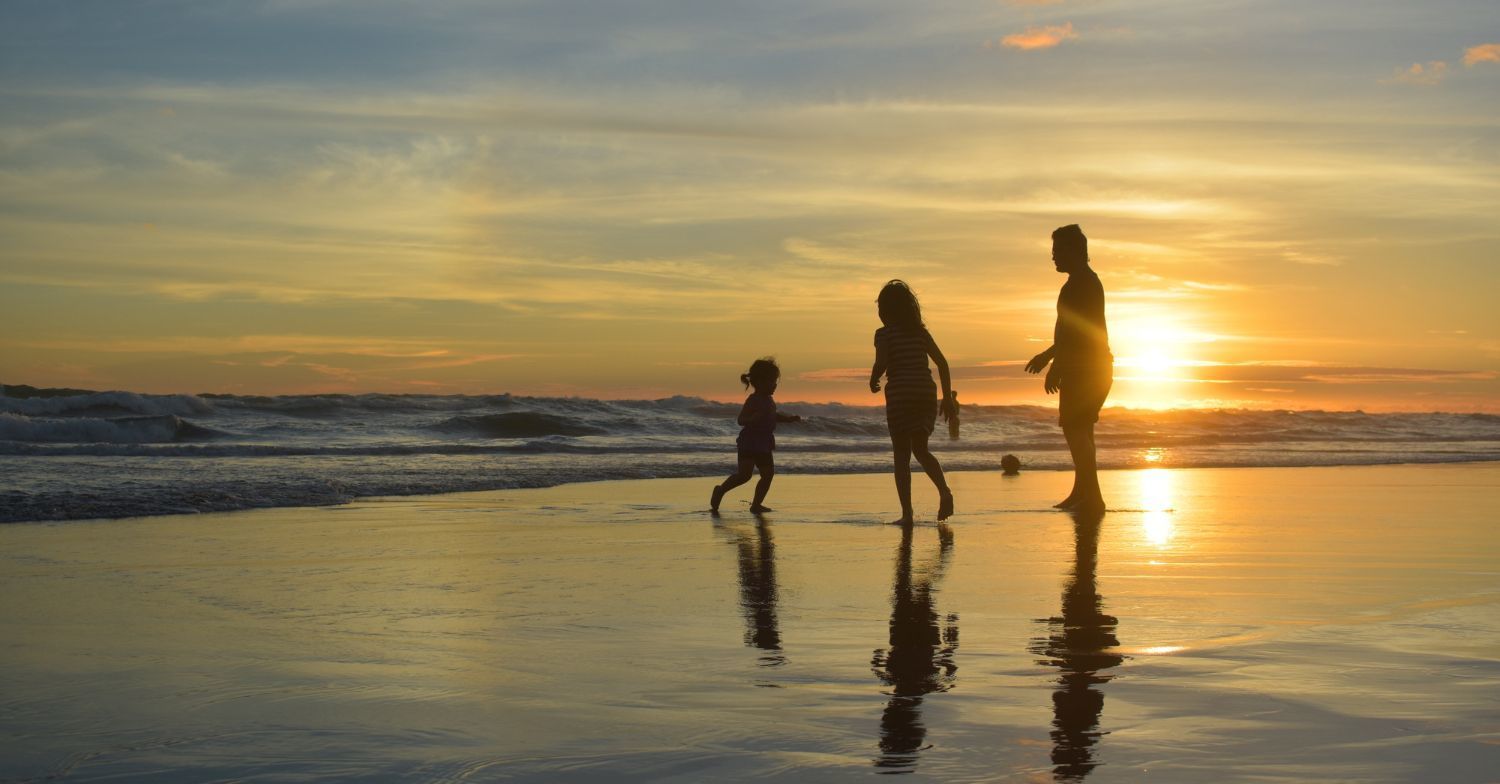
1077, 447
1086, 493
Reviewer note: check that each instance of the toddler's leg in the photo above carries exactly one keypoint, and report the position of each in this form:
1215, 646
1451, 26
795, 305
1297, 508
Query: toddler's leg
739, 477
767, 467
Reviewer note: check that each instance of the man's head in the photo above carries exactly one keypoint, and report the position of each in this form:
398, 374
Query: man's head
1070, 249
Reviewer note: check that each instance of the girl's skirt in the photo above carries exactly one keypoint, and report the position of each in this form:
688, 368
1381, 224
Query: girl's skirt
911, 410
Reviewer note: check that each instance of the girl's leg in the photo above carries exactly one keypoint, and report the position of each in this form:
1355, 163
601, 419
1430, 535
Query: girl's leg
739, 477
934, 471
767, 467
901, 446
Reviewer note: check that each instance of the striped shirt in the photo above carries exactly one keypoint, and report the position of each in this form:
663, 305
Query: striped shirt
907, 375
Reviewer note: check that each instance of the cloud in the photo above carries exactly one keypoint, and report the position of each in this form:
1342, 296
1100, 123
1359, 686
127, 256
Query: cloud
1038, 37
1294, 372
1429, 74
838, 375
1483, 53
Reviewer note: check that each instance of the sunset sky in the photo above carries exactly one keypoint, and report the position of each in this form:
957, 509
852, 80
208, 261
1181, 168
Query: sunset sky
1290, 204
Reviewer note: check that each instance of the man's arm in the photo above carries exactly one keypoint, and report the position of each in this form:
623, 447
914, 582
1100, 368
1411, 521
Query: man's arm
1041, 360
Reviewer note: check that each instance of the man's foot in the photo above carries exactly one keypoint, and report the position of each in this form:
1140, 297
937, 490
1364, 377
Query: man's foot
1091, 504
713, 502
760, 509
1067, 503
945, 505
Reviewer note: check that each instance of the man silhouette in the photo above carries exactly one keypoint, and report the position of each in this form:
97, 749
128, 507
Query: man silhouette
1082, 367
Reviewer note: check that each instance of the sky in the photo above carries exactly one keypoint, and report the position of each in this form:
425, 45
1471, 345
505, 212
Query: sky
1290, 204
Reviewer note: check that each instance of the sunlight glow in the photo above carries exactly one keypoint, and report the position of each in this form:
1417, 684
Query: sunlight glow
1156, 500
1153, 358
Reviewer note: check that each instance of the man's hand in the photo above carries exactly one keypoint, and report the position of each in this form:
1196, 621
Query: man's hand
1037, 363
1053, 377
948, 410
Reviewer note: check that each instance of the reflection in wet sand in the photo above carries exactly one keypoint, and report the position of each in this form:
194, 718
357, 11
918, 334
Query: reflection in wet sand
919, 660
758, 593
1078, 644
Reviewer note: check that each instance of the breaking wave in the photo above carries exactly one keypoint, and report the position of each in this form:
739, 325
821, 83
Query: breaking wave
69, 454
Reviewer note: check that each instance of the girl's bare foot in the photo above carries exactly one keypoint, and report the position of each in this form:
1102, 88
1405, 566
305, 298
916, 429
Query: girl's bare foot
906, 519
713, 503
760, 509
945, 505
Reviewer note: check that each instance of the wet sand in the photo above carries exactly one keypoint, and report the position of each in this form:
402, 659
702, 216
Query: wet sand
1322, 624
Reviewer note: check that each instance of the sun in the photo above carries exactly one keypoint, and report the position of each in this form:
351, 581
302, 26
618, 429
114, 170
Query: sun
1153, 360
1154, 363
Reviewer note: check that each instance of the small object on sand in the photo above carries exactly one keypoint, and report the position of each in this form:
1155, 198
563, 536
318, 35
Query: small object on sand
1011, 465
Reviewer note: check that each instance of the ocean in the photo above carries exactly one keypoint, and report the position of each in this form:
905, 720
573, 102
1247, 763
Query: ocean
124, 454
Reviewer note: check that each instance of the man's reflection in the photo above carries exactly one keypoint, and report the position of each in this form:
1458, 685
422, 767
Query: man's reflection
1077, 644
919, 660
757, 551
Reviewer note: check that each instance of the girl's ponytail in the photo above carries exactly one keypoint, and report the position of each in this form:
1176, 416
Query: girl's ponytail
761, 371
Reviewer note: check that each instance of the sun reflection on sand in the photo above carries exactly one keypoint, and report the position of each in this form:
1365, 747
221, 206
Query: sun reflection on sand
1156, 500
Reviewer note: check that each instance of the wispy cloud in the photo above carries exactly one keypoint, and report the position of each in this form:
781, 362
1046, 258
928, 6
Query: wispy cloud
1044, 37
1483, 53
1428, 74
836, 375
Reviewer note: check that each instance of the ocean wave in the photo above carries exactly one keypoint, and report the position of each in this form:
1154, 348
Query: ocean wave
334, 404
88, 430
518, 424
102, 403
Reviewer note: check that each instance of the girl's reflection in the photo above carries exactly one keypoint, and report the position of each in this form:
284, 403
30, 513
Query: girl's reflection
919, 660
757, 550
1078, 645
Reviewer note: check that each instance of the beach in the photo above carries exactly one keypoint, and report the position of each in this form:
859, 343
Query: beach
1221, 624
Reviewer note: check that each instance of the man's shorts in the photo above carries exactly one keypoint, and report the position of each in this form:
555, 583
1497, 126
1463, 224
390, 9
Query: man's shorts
1082, 394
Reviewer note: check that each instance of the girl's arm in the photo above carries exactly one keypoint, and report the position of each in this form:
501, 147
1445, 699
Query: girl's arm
943, 374
878, 369
749, 413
